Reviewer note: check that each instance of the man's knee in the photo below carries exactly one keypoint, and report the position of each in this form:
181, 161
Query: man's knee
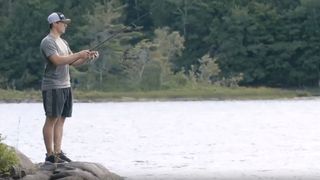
51, 120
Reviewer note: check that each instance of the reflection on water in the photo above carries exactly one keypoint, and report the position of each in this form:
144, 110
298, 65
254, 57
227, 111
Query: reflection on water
187, 140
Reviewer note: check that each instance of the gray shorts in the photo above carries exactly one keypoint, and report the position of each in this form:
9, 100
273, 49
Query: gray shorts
57, 102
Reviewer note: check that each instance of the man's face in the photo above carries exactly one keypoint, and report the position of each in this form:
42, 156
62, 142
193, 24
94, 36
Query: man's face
61, 27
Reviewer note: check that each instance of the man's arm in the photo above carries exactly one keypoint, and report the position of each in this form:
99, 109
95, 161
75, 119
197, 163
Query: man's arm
68, 59
92, 55
79, 62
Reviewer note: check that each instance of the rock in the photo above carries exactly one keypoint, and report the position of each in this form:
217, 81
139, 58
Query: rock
73, 171
24, 167
26, 170
39, 175
96, 169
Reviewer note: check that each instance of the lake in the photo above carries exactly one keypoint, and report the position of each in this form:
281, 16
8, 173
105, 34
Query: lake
252, 139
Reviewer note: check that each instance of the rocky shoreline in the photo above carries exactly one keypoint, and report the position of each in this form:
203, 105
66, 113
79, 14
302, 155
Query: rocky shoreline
26, 170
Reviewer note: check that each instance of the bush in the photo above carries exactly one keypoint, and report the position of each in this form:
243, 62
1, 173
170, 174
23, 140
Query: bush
8, 158
151, 77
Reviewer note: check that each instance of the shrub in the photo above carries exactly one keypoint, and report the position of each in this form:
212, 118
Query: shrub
8, 158
151, 77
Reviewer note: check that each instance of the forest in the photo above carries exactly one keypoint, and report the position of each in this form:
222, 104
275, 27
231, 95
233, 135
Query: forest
166, 44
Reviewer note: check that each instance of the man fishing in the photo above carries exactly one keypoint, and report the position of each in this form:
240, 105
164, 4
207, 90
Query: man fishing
56, 86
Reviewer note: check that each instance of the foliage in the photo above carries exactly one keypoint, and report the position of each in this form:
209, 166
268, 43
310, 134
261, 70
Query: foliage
208, 69
250, 42
270, 45
8, 158
103, 23
152, 60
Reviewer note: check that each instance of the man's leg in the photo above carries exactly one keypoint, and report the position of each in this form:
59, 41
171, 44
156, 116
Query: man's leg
48, 133
58, 133
66, 112
54, 104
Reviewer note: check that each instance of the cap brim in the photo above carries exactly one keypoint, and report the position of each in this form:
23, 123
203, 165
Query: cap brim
66, 21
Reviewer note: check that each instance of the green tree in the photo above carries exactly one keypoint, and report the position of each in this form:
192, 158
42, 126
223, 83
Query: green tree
103, 23
208, 69
24, 25
154, 59
22, 30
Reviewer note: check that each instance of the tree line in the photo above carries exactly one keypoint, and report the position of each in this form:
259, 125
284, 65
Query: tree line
178, 43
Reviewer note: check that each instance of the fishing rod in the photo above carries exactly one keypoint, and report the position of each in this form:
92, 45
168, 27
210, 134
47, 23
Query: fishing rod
96, 47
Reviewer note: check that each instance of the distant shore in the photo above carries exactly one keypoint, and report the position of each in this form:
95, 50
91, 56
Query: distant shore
183, 94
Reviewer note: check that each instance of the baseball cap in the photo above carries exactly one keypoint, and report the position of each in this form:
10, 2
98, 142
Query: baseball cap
56, 17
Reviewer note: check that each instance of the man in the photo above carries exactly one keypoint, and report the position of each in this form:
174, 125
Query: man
56, 86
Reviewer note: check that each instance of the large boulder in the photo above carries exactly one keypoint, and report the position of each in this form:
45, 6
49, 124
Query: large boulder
73, 171
24, 167
26, 170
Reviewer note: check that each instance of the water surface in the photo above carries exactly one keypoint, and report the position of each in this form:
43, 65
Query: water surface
269, 139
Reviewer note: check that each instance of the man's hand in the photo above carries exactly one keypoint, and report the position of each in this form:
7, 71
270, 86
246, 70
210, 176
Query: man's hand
94, 55
84, 54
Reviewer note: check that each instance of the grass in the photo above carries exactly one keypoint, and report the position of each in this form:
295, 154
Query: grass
199, 93
19, 96
190, 93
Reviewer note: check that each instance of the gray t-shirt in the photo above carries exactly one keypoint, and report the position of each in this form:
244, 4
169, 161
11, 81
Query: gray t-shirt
55, 76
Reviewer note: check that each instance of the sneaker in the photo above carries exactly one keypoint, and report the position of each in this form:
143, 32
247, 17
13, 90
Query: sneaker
53, 159
63, 157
